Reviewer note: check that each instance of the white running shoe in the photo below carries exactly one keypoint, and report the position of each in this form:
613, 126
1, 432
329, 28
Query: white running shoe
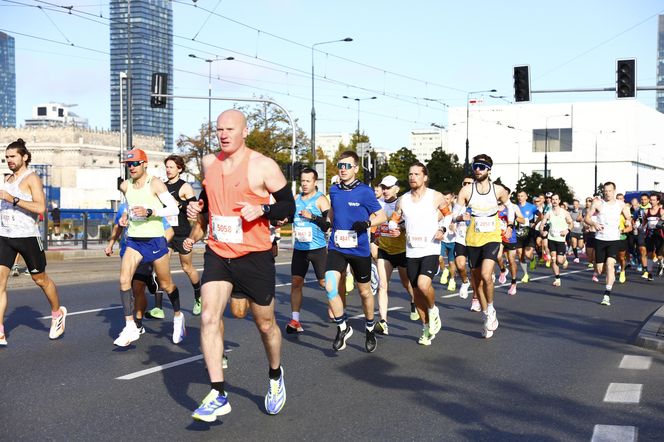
434, 321
491, 321
129, 334
463, 291
58, 324
556, 282
179, 329
502, 278
475, 306
512, 290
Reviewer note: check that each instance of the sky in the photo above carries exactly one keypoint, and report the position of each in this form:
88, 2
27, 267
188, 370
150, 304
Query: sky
401, 53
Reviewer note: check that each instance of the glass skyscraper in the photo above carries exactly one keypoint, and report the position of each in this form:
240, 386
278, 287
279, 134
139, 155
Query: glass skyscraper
660, 63
7, 81
150, 48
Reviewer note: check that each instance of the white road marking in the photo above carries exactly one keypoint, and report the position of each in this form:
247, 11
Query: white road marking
636, 362
86, 311
613, 433
159, 368
452, 295
362, 315
623, 393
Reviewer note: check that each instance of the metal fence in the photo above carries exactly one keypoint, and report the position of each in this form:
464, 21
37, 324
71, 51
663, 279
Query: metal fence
77, 228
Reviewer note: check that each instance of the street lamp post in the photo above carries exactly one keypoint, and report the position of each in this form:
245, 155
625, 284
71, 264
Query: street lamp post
209, 61
358, 100
313, 108
466, 161
638, 161
596, 135
546, 143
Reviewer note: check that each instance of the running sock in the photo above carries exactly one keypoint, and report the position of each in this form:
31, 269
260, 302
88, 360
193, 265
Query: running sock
138, 322
127, 301
219, 386
159, 299
341, 321
489, 308
295, 316
174, 297
607, 292
557, 276
513, 280
370, 324
524, 266
197, 290
57, 313
412, 306
608, 288
274, 373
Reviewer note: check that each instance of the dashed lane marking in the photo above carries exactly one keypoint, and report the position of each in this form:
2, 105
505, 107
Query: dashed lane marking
623, 393
613, 433
636, 362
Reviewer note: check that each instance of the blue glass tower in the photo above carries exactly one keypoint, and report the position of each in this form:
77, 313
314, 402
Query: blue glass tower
7, 81
149, 23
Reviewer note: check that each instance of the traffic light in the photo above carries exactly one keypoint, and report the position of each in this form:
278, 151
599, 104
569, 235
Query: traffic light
159, 86
521, 83
626, 78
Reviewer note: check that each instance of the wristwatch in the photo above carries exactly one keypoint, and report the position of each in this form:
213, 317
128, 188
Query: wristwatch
266, 208
149, 213
15, 201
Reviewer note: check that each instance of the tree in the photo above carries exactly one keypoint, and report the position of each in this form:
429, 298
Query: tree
535, 184
445, 172
195, 148
398, 165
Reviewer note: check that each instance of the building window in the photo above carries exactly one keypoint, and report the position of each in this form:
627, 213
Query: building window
559, 139
41, 111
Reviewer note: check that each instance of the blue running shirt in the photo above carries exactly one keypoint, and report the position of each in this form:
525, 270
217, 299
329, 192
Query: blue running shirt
349, 206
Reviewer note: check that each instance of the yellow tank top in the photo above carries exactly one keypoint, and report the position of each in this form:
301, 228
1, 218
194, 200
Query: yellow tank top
141, 227
484, 225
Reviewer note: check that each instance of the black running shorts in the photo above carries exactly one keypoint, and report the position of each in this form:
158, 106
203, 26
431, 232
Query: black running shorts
252, 275
557, 247
606, 249
302, 258
397, 260
31, 249
478, 254
426, 266
177, 245
361, 265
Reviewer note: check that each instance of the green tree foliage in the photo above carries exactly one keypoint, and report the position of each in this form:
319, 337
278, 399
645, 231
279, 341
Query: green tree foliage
194, 148
535, 184
445, 172
398, 165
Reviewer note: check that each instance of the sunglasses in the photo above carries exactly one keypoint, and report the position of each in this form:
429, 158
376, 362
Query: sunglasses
345, 166
134, 163
481, 166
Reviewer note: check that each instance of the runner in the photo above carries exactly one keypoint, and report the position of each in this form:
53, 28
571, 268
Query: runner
641, 237
560, 223
354, 210
22, 199
238, 257
422, 210
460, 250
508, 236
309, 227
183, 194
607, 238
589, 238
391, 253
447, 246
576, 213
654, 235
527, 234
148, 201
483, 235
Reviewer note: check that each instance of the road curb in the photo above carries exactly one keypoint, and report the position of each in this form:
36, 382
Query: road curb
651, 335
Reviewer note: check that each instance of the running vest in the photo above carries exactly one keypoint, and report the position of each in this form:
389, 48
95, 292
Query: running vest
16, 222
421, 219
650, 221
140, 226
230, 235
461, 226
179, 222
390, 244
609, 219
577, 226
558, 224
484, 223
308, 236
502, 215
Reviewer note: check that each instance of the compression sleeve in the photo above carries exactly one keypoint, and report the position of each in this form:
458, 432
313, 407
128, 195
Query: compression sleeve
203, 197
170, 205
321, 221
284, 206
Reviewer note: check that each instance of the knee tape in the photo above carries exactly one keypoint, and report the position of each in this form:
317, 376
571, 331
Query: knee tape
331, 281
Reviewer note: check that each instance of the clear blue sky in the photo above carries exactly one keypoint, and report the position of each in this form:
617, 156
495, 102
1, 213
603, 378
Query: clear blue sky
401, 53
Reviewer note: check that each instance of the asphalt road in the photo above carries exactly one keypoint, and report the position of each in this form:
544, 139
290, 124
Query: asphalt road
546, 375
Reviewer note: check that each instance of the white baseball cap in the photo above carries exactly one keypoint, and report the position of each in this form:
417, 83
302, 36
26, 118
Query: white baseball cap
389, 181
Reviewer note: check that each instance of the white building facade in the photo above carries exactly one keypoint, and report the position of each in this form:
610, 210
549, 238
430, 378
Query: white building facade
622, 140
423, 142
329, 142
55, 115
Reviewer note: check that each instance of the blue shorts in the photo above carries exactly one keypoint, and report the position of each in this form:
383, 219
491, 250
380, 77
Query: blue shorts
151, 249
447, 250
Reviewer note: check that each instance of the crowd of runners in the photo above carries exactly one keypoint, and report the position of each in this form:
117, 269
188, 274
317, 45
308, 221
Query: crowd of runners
350, 234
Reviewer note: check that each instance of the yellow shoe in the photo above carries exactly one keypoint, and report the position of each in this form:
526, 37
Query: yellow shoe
525, 278
350, 284
622, 277
445, 276
548, 263
451, 286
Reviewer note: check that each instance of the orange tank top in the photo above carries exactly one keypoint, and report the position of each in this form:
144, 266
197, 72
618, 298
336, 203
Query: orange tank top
230, 235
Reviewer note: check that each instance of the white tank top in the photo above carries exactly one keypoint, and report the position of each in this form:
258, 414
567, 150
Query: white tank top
609, 219
421, 219
14, 221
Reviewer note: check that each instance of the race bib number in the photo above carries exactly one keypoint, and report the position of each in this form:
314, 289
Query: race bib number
345, 239
227, 229
652, 223
522, 231
172, 220
7, 219
133, 217
526, 223
418, 241
577, 225
485, 224
303, 234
